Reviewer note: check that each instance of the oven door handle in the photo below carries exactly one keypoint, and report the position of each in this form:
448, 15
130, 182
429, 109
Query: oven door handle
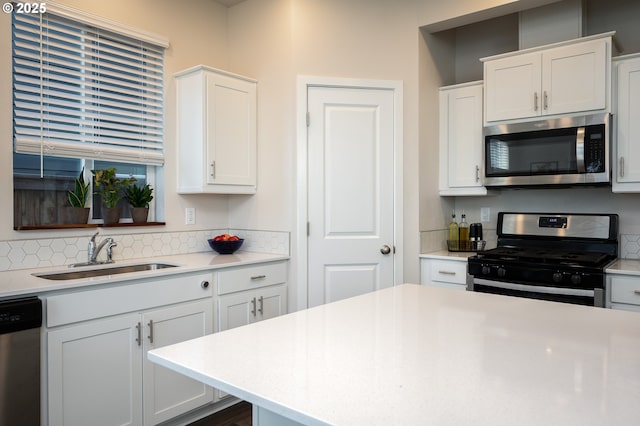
535, 288
580, 149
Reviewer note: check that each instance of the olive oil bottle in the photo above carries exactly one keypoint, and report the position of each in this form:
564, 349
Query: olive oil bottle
454, 233
464, 233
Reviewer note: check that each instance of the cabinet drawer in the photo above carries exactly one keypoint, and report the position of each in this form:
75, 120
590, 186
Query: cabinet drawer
625, 290
449, 271
250, 277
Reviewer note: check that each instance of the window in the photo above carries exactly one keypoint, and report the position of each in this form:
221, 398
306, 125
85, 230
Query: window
84, 96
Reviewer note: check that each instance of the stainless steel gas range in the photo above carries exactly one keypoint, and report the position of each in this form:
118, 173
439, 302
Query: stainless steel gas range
549, 256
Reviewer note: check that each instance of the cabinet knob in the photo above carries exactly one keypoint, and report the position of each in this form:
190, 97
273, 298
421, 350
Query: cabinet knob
204, 284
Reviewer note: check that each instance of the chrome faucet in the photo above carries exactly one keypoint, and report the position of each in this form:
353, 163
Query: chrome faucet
93, 250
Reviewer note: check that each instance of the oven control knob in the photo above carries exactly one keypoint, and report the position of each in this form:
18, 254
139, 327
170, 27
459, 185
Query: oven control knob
576, 279
557, 277
502, 272
486, 270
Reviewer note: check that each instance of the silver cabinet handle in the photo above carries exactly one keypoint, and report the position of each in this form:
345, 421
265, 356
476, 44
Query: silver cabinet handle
258, 277
150, 336
139, 338
621, 166
212, 171
535, 101
260, 309
204, 284
477, 173
253, 302
546, 101
446, 272
385, 249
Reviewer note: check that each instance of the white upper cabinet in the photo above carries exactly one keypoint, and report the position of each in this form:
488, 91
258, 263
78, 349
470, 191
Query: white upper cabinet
626, 164
216, 128
461, 140
563, 78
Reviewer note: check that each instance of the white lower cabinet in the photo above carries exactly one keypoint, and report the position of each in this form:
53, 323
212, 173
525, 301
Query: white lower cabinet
440, 272
624, 292
97, 368
250, 294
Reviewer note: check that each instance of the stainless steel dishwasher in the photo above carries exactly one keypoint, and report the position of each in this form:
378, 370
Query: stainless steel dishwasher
20, 322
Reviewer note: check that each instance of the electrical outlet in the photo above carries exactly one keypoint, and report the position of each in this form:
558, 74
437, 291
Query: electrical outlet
190, 216
485, 214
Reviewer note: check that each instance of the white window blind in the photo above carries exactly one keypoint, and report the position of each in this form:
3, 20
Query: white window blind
84, 92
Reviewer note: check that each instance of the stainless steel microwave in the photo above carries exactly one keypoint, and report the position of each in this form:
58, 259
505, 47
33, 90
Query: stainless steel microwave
561, 151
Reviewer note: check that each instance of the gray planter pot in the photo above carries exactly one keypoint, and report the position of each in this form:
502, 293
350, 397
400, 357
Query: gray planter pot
78, 215
139, 214
110, 215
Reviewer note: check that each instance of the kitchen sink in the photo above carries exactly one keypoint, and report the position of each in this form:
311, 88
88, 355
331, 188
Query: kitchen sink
102, 271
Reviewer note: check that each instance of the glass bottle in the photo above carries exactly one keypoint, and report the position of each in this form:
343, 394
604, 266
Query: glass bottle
464, 233
454, 233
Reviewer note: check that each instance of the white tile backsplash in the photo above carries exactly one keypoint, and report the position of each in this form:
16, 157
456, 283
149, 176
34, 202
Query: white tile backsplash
629, 246
25, 254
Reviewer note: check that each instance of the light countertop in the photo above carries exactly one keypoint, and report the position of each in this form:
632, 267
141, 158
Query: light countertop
448, 255
625, 267
413, 354
24, 281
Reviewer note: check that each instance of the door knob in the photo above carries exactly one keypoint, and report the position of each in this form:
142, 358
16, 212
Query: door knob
385, 249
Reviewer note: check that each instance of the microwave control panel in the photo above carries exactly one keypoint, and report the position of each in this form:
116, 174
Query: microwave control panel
594, 148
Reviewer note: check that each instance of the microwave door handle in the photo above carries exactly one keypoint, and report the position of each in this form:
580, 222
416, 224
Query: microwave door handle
580, 149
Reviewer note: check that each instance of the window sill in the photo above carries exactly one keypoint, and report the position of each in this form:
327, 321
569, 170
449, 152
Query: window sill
87, 225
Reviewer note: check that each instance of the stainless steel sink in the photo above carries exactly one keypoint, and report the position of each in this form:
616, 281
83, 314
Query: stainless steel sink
102, 271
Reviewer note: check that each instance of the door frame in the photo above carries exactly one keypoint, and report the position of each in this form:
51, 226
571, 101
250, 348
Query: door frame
301, 241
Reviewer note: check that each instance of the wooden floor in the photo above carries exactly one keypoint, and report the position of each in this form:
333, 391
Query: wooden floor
236, 415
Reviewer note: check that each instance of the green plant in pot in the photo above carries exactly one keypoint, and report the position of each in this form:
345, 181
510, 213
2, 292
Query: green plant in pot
139, 196
110, 188
79, 212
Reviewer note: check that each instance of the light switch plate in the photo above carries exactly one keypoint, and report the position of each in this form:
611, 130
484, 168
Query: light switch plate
190, 216
485, 214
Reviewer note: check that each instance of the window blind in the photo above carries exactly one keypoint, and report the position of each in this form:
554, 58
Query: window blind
81, 91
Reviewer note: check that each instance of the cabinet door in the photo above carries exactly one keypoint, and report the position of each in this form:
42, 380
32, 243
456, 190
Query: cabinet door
272, 302
512, 87
461, 141
627, 167
231, 130
167, 393
574, 78
235, 310
95, 373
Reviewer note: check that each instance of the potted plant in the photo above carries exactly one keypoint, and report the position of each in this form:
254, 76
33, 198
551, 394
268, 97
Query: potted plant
110, 188
79, 212
139, 196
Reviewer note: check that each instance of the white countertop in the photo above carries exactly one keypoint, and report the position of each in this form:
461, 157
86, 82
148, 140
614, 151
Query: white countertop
414, 354
23, 282
448, 255
624, 267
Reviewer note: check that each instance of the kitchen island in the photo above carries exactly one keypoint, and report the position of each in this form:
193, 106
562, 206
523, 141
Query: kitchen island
412, 355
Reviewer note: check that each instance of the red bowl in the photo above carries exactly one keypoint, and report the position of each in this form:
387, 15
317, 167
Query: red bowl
225, 247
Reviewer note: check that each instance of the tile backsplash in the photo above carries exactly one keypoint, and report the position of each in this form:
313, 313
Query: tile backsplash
36, 253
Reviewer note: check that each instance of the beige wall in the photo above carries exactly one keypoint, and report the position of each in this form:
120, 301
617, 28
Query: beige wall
197, 34
274, 41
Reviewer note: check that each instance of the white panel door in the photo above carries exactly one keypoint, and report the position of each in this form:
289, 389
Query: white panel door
574, 78
512, 87
350, 192
95, 373
167, 393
